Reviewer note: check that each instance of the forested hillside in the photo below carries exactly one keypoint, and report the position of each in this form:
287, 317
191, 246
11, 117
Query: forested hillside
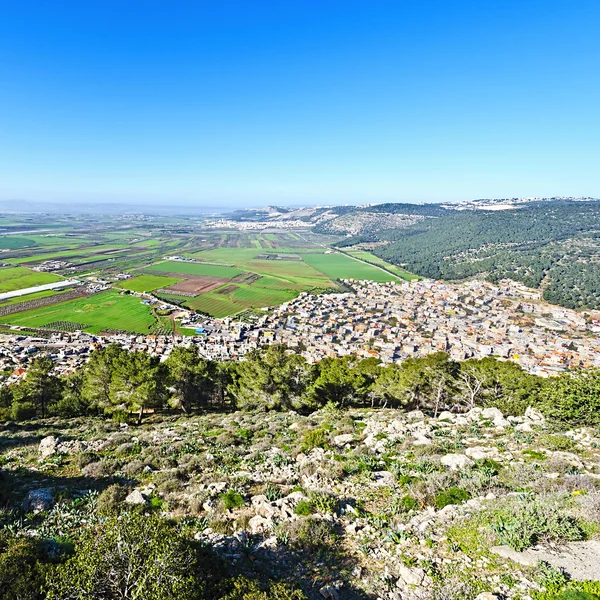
555, 245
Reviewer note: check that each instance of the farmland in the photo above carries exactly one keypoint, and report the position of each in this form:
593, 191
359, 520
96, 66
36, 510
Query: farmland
340, 266
99, 312
223, 276
190, 268
16, 278
147, 283
367, 256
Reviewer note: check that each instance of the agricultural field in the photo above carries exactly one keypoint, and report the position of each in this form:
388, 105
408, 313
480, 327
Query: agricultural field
362, 255
17, 278
190, 268
340, 266
148, 283
13, 242
109, 309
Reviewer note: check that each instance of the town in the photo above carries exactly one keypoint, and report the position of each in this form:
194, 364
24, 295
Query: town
386, 321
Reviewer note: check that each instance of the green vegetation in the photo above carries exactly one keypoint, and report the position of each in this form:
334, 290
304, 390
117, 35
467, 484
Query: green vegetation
553, 242
148, 283
340, 266
13, 242
190, 268
16, 278
99, 312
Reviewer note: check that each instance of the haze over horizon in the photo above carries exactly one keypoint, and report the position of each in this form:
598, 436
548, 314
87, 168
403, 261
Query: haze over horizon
236, 105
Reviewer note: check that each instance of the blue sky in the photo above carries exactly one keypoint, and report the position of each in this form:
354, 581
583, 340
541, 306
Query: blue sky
228, 103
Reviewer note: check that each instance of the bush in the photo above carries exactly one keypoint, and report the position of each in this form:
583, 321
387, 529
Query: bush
523, 524
303, 508
231, 499
308, 534
453, 495
243, 588
165, 564
21, 569
109, 501
315, 438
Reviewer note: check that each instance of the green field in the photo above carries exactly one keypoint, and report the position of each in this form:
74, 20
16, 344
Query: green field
389, 266
29, 297
147, 283
189, 268
13, 242
340, 266
17, 278
103, 311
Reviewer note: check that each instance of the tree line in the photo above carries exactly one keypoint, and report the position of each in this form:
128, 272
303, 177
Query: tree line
123, 385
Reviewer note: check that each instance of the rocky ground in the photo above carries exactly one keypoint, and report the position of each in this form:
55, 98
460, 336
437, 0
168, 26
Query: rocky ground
348, 504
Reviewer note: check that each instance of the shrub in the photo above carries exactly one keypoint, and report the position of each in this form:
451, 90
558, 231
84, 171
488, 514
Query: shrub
21, 569
523, 524
323, 502
163, 562
303, 508
272, 492
109, 501
315, 438
243, 588
231, 499
308, 534
453, 495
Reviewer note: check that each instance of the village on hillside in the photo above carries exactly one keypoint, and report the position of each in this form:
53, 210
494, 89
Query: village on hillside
387, 321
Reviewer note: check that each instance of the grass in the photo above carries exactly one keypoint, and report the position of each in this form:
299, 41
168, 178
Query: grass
17, 278
13, 242
194, 269
389, 266
107, 310
147, 283
340, 266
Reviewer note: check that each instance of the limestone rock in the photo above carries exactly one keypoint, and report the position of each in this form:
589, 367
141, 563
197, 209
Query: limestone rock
534, 415
47, 446
136, 497
38, 500
343, 439
329, 592
456, 462
414, 576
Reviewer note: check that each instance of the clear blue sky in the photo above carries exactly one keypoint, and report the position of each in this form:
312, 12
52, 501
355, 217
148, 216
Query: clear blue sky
255, 102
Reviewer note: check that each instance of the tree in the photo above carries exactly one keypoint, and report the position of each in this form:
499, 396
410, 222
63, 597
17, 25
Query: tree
419, 382
72, 402
131, 557
138, 383
40, 387
573, 398
98, 376
270, 378
344, 380
189, 378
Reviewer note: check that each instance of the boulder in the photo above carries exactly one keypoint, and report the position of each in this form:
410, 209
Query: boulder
534, 415
329, 592
343, 439
136, 497
456, 462
414, 576
415, 415
38, 500
486, 596
47, 446
446, 415
495, 415
384, 478
258, 524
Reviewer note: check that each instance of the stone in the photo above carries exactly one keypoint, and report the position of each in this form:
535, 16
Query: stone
47, 446
38, 500
486, 596
479, 452
456, 462
135, 497
329, 592
446, 415
258, 524
522, 558
384, 478
415, 415
533, 414
343, 439
495, 415
526, 427
414, 576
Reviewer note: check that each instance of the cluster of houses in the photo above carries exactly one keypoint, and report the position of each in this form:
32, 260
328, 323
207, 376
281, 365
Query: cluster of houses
388, 321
